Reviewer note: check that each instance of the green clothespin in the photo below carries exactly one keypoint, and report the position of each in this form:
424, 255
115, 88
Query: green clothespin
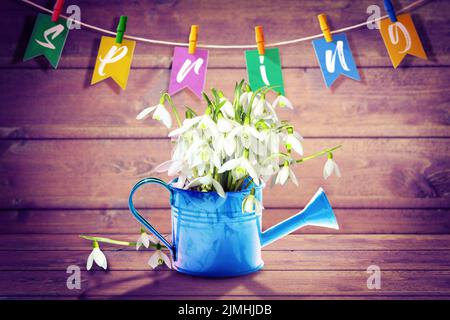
121, 27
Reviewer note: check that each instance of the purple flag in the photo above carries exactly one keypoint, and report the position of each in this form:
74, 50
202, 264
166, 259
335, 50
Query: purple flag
188, 70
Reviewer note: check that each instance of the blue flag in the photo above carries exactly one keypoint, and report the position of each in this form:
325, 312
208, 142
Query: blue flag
335, 58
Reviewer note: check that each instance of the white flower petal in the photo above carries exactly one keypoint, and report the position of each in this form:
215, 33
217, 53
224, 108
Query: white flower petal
293, 177
295, 144
283, 175
228, 110
99, 258
224, 125
166, 259
249, 204
145, 113
90, 260
229, 165
218, 187
327, 168
154, 260
161, 114
251, 171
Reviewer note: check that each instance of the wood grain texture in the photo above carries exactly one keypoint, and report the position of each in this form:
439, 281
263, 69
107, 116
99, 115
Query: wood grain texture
328, 242
387, 103
351, 221
171, 20
382, 173
161, 283
70, 152
301, 260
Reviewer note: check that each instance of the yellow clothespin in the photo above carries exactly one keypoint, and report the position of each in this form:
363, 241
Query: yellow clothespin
259, 35
193, 39
325, 28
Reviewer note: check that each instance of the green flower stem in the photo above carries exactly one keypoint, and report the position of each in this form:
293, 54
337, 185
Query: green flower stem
174, 109
117, 242
318, 154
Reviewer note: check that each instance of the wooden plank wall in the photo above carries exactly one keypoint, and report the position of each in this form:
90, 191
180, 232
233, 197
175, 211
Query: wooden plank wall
70, 152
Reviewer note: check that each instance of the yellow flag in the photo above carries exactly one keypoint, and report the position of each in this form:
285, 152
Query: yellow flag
401, 38
114, 60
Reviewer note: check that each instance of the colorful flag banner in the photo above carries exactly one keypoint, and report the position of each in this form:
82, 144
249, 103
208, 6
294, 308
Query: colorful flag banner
264, 70
188, 70
335, 58
114, 60
47, 39
401, 38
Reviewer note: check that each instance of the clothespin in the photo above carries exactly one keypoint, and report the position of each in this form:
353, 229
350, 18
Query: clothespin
259, 35
390, 10
324, 26
121, 28
57, 10
193, 39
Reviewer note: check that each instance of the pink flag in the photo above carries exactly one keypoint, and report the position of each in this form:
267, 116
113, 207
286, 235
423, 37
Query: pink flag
188, 70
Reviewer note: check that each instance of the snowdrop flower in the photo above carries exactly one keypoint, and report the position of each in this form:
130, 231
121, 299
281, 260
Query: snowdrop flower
205, 181
330, 167
159, 113
245, 133
227, 109
181, 181
260, 106
144, 240
159, 258
285, 173
97, 256
242, 166
251, 204
226, 125
293, 141
282, 101
203, 122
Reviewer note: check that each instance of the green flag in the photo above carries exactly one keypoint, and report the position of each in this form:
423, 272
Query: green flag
48, 39
264, 70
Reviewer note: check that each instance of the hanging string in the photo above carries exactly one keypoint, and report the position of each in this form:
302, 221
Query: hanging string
219, 46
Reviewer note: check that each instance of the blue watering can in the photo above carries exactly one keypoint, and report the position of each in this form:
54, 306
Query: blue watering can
211, 237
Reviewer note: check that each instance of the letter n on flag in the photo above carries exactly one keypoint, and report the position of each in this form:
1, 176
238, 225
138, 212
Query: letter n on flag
335, 58
188, 70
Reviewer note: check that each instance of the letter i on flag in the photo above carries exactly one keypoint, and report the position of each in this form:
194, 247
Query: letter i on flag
114, 57
48, 37
400, 36
334, 55
189, 67
264, 66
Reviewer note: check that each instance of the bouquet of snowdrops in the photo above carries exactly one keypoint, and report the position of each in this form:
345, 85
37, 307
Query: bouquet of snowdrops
233, 145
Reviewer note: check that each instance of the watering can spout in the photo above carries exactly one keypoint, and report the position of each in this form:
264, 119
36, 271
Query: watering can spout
318, 212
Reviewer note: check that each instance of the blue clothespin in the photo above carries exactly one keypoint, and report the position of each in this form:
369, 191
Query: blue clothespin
390, 10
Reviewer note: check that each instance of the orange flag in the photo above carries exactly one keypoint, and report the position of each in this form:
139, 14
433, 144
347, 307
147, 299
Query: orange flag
401, 38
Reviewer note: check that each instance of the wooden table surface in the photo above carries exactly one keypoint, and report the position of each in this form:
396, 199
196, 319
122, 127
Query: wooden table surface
70, 152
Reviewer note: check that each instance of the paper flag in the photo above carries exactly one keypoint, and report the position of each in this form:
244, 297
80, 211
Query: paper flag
114, 60
264, 70
188, 70
401, 38
48, 39
335, 58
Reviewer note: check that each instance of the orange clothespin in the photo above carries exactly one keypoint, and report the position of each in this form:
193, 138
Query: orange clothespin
259, 35
57, 10
324, 26
193, 39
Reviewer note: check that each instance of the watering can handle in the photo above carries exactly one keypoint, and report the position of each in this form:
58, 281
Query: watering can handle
141, 219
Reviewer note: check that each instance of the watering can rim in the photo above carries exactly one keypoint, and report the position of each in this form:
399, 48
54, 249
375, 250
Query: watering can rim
251, 186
